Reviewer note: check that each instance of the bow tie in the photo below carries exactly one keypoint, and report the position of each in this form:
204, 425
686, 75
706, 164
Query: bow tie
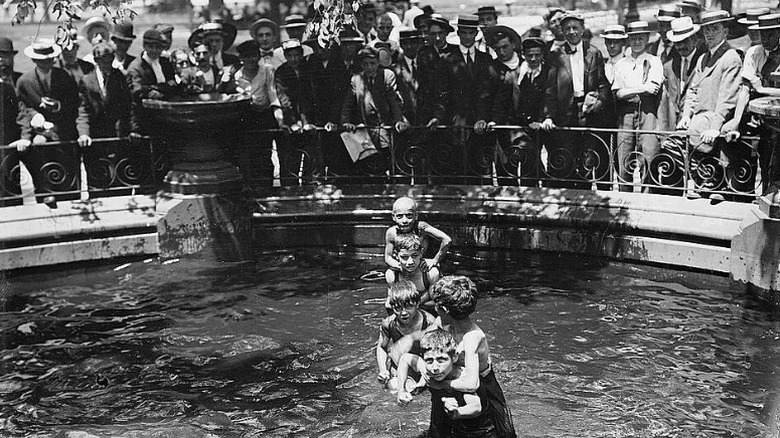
569, 49
266, 53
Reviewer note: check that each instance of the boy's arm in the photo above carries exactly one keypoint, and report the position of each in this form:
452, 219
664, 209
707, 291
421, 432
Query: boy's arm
433, 276
468, 381
444, 241
471, 409
381, 356
405, 344
406, 361
389, 259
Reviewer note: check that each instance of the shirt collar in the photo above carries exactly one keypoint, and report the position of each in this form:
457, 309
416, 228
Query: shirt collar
150, 60
512, 63
715, 49
465, 50
616, 58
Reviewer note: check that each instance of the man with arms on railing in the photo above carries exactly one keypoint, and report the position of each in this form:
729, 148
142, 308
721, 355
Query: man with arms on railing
49, 102
575, 95
105, 99
760, 62
150, 77
373, 101
711, 100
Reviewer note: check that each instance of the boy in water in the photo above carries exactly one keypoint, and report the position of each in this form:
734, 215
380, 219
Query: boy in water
408, 255
453, 413
455, 300
405, 218
405, 320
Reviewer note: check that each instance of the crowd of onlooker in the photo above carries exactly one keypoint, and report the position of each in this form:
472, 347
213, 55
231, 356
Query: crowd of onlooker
396, 66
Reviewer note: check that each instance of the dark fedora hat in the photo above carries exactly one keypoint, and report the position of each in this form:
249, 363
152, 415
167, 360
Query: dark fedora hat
227, 30
438, 20
154, 36
487, 10
123, 30
418, 20
7, 46
368, 52
493, 35
406, 35
248, 47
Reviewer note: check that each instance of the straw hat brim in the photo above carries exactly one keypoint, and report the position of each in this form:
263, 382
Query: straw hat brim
30, 53
675, 38
722, 20
746, 22
759, 27
614, 37
263, 22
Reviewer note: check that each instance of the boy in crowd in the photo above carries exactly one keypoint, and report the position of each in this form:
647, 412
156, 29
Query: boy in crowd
405, 319
455, 299
453, 413
405, 216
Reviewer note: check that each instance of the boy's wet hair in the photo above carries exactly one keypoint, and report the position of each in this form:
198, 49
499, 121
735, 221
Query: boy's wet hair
403, 293
457, 293
402, 200
408, 241
438, 341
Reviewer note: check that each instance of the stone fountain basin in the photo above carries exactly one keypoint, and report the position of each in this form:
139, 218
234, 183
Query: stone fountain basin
765, 106
207, 110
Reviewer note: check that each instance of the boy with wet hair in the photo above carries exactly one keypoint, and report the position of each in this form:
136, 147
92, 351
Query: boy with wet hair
455, 298
408, 254
406, 221
453, 413
406, 319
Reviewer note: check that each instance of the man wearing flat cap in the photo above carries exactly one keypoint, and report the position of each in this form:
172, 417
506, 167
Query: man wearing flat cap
517, 93
218, 37
122, 36
575, 96
266, 32
48, 107
150, 77
712, 96
760, 62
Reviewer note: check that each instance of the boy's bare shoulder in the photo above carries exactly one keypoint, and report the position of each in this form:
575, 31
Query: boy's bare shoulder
391, 232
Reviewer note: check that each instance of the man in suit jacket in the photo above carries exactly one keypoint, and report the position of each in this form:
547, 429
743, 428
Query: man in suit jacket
294, 97
70, 62
48, 106
218, 37
678, 72
432, 92
663, 47
105, 100
122, 37
203, 77
406, 73
712, 96
150, 77
575, 95
9, 132
373, 100
7, 54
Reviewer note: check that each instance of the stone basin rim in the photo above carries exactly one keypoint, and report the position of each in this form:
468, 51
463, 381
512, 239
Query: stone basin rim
158, 104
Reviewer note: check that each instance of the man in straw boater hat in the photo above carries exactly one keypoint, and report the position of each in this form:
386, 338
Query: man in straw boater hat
465, 74
711, 99
678, 72
218, 37
294, 26
615, 39
266, 33
150, 77
753, 37
48, 107
663, 48
760, 62
122, 36
691, 8
638, 80
576, 95
488, 17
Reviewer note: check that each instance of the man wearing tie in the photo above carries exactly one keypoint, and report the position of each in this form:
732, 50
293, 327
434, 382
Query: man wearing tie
678, 71
265, 32
575, 95
432, 92
218, 37
712, 97
406, 73
663, 48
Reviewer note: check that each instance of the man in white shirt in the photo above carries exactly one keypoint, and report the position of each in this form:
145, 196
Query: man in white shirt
266, 32
488, 17
615, 41
638, 80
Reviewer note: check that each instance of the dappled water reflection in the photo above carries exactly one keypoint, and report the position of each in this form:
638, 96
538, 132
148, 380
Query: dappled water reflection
284, 347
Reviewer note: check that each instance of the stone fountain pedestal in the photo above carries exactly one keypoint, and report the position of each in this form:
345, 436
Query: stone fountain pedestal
202, 206
755, 250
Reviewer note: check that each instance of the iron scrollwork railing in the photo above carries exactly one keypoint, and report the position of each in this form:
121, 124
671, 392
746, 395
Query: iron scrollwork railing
112, 167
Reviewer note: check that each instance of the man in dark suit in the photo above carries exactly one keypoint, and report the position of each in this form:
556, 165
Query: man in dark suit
576, 92
218, 37
373, 100
48, 106
663, 47
432, 91
105, 100
122, 37
150, 77
69, 60
9, 132
294, 98
405, 70
7, 54
203, 77
677, 72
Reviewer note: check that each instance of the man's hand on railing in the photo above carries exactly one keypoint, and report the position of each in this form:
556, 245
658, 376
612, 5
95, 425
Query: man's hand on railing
709, 135
548, 124
84, 141
348, 127
401, 126
730, 130
683, 124
433, 123
308, 127
154, 94
331, 127
21, 145
480, 127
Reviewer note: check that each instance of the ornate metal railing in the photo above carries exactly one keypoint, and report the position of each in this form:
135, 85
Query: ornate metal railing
585, 158
112, 167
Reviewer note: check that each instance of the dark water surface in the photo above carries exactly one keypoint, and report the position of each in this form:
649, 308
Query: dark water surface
283, 347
